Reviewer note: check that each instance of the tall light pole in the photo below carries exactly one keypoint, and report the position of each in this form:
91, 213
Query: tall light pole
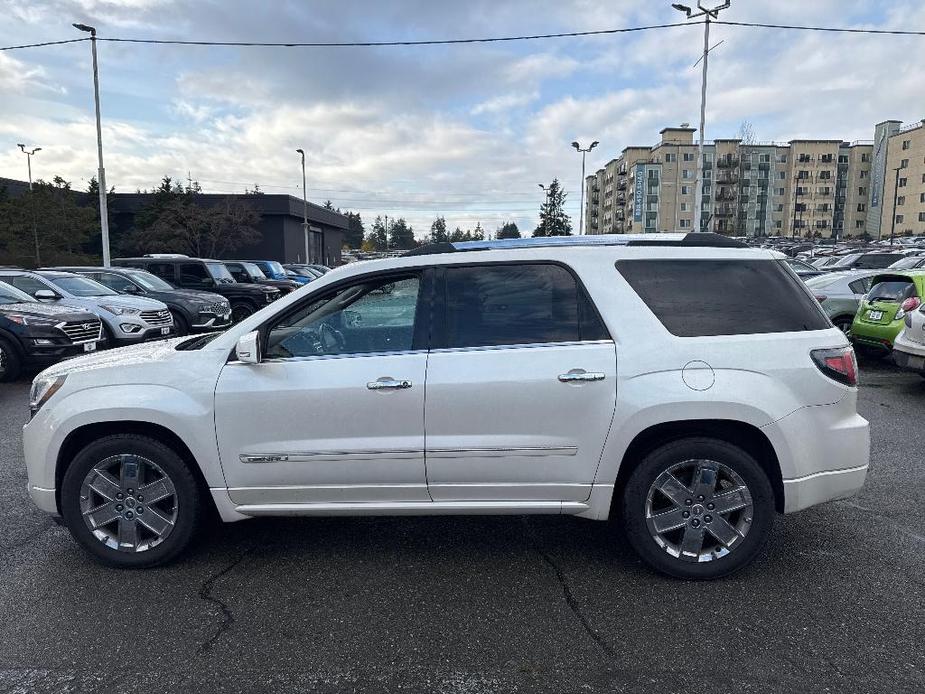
104, 211
581, 212
708, 14
895, 199
304, 204
35, 229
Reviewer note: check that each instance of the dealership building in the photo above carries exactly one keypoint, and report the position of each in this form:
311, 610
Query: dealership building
282, 236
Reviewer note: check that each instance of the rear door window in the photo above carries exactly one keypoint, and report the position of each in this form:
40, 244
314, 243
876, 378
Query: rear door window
724, 297
514, 304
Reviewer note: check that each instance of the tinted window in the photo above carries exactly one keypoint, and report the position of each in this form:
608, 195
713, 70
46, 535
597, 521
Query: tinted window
149, 281
723, 297
860, 286
195, 275
116, 282
875, 261
29, 285
375, 316
892, 290
517, 304
162, 270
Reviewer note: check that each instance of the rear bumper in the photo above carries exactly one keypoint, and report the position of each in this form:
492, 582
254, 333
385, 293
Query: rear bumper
875, 336
44, 498
823, 452
909, 355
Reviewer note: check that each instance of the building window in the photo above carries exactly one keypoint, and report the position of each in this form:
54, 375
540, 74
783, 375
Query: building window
803, 173
902, 182
922, 216
669, 157
685, 190
707, 174
906, 144
904, 163
901, 200
861, 190
862, 207
825, 175
683, 207
764, 158
805, 157
899, 219
778, 224
782, 175
842, 158
778, 191
865, 157
864, 174
685, 173
684, 223
780, 207
859, 224
688, 156
921, 197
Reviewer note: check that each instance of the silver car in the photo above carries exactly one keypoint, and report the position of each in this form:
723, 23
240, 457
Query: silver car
127, 320
840, 294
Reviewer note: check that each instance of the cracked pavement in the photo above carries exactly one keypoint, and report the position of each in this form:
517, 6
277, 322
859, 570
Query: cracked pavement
483, 604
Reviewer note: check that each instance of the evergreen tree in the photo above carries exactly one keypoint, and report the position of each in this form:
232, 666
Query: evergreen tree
353, 235
553, 219
401, 235
438, 232
378, 238
457, 235
508, 230
478, 234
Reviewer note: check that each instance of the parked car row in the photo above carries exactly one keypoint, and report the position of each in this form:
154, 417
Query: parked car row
54, 313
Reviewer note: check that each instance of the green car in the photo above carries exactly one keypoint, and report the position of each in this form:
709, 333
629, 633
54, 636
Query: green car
880, 314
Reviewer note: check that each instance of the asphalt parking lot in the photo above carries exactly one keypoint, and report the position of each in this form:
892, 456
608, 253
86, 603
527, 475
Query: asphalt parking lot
835, 604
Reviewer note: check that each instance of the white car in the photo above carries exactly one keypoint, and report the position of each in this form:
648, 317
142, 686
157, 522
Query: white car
909, 345
682, 383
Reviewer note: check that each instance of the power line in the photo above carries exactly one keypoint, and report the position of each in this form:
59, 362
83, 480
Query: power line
841, 30
39, 45
376, 44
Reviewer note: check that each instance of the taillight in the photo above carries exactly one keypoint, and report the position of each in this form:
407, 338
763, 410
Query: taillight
838, 364
910, 304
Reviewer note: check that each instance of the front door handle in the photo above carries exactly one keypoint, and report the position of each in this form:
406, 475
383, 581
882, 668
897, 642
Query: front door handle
387, 383
578, 375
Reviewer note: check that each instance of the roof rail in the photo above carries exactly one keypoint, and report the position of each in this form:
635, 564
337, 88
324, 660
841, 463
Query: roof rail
690, 240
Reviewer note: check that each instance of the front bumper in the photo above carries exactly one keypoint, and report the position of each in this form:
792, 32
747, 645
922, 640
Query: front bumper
144, 335
46, 355
208, 322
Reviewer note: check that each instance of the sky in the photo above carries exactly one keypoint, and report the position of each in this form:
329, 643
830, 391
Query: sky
465, 131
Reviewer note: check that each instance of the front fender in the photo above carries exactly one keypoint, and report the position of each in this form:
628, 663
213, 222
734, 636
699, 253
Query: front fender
187, 416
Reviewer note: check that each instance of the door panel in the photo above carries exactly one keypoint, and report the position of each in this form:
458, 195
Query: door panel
311, 429
500, 424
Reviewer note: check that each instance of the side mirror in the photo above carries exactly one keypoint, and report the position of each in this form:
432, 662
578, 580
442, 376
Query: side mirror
248, 350
45, 295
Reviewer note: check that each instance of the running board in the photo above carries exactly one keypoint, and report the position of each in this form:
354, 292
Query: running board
415, 508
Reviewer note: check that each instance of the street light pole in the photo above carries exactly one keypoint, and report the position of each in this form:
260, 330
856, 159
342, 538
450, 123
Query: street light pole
304, 204
547, 191
895, 199
104, 211
581, 212
708, 15
35, 229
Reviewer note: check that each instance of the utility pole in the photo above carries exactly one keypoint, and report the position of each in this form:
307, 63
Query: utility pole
581, 212
708, 15
35, 229
304, 204
104, 211
895, 199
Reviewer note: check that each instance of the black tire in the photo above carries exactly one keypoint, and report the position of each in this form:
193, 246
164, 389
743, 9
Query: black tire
843, 323
10, 361
241, 310
759, 518
187, 500
180, 324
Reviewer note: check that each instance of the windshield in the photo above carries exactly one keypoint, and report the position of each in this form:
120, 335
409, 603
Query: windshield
149, 281
893, 290
220, 273
253, 271
274, 268
907, 263
81, 286
11, 295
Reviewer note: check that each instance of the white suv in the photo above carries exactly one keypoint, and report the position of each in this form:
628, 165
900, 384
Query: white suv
686, 385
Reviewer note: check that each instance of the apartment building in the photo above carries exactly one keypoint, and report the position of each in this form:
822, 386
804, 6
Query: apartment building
804, 187
904, 182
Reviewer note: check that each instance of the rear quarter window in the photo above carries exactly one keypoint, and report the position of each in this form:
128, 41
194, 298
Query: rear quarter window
695, 298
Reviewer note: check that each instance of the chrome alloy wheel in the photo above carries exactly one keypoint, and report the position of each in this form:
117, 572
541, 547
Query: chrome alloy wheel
699, 510
128, 503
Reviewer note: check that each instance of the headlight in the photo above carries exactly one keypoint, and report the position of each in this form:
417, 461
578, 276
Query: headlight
121, 310
43, 387
30, 320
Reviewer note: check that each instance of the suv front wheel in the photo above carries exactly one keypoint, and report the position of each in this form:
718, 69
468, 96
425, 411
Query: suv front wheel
698, 508
131, 501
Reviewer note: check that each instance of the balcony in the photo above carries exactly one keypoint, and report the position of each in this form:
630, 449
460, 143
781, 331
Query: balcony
727, 162
726, 194
621, 183
724, 211
727, 176
621, 198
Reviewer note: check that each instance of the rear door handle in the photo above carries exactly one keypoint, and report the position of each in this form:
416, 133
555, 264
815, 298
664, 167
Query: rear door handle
577, 375
387, 383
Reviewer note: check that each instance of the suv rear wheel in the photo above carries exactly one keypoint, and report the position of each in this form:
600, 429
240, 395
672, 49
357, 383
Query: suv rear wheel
698, 508
131, 501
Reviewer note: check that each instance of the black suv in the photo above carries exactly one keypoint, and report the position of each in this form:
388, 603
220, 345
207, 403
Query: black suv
248, 271
193, 311
36, 334
210, 275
